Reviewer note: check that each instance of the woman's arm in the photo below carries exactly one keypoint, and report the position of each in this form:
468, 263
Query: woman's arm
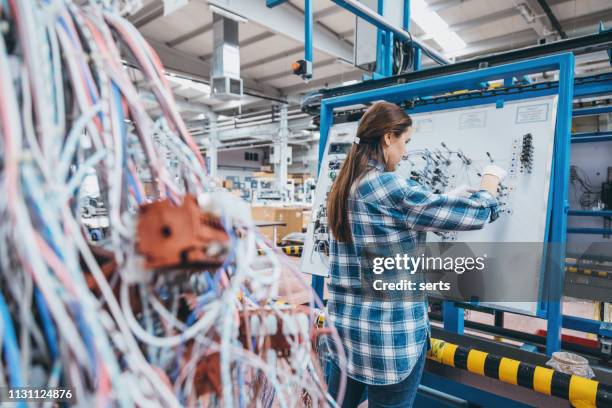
424, 210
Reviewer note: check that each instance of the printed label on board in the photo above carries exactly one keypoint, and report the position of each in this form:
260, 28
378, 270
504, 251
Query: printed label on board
532, 113
472, 120
424, 125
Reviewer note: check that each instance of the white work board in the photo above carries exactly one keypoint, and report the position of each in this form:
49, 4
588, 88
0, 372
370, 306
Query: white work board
472, 131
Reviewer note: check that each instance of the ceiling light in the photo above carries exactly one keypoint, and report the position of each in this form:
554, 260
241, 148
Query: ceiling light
435, 26
526, 13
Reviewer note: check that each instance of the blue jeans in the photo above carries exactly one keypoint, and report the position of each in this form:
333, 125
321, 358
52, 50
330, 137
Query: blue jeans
398, 395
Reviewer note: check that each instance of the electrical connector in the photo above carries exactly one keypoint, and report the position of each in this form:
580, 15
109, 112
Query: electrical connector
170, 236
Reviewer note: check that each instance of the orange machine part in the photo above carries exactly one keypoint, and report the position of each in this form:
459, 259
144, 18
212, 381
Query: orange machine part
184, 236
208, 375
207, 378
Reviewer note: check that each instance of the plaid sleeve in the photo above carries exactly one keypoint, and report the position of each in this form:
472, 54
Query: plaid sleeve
424, 210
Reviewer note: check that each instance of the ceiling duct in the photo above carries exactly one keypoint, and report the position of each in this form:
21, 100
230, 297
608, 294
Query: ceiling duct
226, 83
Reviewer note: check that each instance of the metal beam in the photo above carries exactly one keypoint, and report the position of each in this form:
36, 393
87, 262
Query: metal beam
286, 21
578, 45
444, 4
326, 12
441, 5
245, 101
191, 34
245, 43
468, 24
521, 39
273, 57
553, 19
527, 37
498, 15
148, 13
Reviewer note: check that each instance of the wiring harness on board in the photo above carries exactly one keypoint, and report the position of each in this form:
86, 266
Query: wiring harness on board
172, 305
585, 192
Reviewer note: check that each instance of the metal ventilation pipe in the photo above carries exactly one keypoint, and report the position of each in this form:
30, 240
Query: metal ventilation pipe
226, 83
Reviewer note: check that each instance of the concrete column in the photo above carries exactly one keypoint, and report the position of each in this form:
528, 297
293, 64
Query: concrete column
281, 150
211, 151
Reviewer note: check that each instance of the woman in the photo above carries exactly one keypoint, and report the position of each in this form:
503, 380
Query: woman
372, 210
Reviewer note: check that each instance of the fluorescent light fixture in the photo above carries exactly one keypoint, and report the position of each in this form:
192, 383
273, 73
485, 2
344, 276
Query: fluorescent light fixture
435, 26
352, 82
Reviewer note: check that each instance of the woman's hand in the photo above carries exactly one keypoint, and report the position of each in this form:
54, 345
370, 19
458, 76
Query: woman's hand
491, 177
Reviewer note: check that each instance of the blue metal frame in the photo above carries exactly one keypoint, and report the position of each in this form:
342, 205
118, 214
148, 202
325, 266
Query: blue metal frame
597, 110
590, 134
591, 139
436, 57
384, 48
588, 326
274, 3
564, 63
590, 213
590, 231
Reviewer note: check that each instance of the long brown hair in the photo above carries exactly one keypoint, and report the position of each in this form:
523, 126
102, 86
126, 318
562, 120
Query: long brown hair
380, 119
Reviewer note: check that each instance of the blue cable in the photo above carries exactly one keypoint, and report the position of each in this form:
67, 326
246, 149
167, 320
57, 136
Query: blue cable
86, 334
10, 347
48, 325
132, 183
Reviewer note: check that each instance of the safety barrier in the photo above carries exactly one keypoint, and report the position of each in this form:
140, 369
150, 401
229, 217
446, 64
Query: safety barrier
581, 392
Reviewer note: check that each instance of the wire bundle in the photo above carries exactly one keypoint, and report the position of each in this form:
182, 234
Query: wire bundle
68, 112
586, 193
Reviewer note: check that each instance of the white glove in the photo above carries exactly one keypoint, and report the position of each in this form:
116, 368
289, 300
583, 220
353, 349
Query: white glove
462, 191
496, 171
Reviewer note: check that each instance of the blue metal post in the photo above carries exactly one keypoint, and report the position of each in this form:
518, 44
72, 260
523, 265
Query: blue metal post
416, 50
380, 44
325, 123
384, 48
308, 23
417, 58
453, 317
558, 228
406, 22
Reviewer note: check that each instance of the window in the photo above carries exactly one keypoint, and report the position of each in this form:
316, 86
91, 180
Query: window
250, 156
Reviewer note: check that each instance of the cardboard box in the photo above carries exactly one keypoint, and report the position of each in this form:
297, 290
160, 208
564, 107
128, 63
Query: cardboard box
292, 216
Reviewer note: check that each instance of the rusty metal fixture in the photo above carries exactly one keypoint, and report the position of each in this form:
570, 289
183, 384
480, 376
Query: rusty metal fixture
183, 236
207, 378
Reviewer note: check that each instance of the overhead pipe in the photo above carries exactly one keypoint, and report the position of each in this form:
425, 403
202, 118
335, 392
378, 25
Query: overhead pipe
228, 126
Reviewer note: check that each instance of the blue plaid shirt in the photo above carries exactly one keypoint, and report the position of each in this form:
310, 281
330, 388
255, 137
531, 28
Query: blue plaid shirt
389, 215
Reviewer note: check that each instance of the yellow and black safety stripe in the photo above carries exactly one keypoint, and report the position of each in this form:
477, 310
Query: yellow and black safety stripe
291, 250
589, 272
580, 391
